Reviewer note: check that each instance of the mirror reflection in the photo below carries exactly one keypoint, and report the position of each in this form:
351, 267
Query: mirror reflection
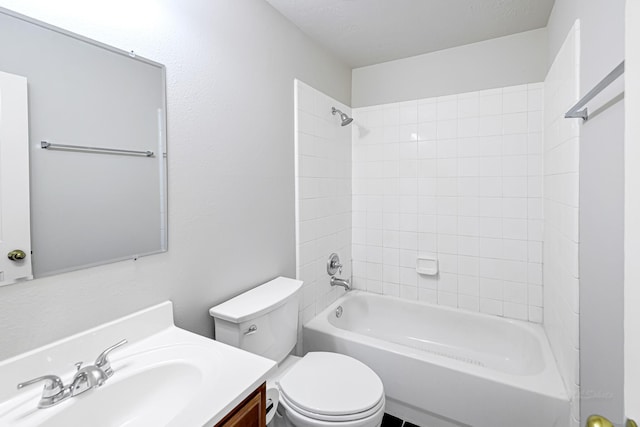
95, 126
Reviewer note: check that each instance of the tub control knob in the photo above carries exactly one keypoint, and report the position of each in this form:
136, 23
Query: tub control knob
333, 265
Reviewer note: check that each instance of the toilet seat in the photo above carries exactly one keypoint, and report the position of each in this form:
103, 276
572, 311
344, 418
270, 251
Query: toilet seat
332, 418
332, 387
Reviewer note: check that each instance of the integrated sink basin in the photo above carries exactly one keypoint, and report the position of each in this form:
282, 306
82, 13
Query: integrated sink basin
142, 399
164, 376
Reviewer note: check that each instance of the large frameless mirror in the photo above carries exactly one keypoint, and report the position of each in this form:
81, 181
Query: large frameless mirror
93, 118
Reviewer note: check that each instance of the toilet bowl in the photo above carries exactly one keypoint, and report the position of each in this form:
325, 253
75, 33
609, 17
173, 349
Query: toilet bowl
324, 389
320, 389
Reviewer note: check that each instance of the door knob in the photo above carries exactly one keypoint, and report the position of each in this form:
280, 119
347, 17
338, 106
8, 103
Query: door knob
600, 421
16, 255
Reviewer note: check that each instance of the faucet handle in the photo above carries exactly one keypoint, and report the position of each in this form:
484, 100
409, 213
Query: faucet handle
339, 268
53, 392
102, 361
333, 264
53, 385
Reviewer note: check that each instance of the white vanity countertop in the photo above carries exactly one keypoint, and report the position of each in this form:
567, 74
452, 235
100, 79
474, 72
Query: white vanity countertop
163, 376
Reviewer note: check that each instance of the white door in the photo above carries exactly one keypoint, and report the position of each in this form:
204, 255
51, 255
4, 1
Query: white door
632, 213
15, 232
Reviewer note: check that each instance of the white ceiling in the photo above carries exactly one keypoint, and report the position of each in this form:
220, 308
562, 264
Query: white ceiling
365, 32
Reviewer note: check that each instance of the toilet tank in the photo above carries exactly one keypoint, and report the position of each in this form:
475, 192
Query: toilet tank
263, 320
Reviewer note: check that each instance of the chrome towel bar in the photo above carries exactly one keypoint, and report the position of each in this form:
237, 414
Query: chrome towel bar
47, 146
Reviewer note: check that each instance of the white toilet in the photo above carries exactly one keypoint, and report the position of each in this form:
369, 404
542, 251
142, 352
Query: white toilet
319, 389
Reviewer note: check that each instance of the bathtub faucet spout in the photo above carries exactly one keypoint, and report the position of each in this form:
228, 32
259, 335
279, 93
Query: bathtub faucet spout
336, 281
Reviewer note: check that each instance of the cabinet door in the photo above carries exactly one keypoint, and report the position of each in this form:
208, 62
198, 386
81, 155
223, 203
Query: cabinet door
250, 413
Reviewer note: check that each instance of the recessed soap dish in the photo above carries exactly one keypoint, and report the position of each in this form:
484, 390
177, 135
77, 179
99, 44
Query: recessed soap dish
427, 266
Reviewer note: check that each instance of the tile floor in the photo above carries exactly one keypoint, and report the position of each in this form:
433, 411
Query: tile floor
391, 421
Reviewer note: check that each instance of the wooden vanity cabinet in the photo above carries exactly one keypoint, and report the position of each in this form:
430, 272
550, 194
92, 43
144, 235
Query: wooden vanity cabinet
251, 412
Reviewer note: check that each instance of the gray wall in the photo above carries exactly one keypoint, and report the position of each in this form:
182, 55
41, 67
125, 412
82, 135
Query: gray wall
230, 70
505, 61
601, 204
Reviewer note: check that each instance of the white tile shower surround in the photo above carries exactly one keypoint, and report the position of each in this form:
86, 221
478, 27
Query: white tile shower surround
323, 196
561, 180
458, 178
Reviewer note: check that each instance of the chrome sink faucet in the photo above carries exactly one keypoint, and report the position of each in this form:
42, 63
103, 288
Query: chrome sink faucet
87, 378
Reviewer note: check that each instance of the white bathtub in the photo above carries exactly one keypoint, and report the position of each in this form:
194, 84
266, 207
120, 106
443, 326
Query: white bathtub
444, 367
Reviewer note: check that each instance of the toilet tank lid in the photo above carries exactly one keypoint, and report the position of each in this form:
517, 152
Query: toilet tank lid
257, 301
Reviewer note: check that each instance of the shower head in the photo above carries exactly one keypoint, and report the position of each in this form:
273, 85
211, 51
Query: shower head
345, 119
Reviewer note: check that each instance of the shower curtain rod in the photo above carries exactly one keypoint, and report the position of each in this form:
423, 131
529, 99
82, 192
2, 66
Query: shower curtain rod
576, 112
